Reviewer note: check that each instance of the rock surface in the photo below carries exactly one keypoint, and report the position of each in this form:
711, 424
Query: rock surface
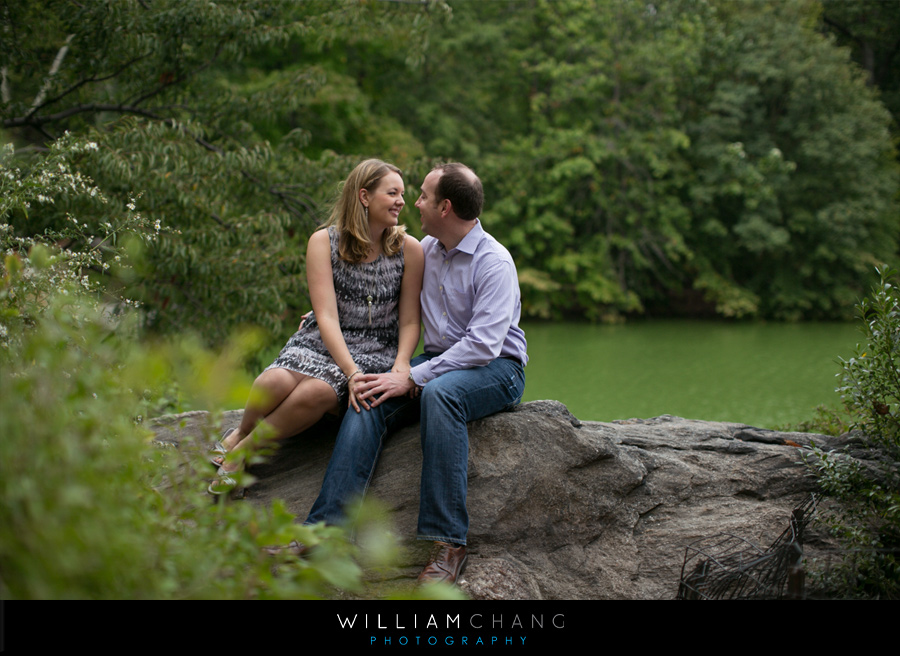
564, 509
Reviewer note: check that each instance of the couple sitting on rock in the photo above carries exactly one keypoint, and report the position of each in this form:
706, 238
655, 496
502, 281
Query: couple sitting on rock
366, 278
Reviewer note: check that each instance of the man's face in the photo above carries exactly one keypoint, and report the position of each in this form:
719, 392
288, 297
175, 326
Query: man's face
428, 206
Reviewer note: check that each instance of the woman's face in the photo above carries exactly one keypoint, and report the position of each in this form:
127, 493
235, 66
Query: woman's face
385, 202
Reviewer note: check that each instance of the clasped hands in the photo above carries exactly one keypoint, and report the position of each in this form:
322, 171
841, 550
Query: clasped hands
370, 390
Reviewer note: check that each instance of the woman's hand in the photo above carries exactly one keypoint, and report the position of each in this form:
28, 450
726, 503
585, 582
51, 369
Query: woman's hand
354, 389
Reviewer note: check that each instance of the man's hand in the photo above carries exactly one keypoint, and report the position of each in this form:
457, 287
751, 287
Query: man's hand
383, 386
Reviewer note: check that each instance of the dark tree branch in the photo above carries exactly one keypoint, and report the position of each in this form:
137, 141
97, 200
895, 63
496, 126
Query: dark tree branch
218, 219
38, 121
50, 136
295, 203
81, 83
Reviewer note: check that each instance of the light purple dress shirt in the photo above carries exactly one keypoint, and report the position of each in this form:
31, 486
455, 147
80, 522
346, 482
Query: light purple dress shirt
470, 305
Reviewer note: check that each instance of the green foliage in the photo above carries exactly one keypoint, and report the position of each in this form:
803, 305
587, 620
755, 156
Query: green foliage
180, 97
710, 157
870, 28
870, 386
867, 521
688, 156
825, 421
92, 507
74, 256
793, 200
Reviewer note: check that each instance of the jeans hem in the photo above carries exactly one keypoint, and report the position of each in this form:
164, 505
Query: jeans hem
433, 538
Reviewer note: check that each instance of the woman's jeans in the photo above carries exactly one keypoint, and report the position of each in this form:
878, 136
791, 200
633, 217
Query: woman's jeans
444, 407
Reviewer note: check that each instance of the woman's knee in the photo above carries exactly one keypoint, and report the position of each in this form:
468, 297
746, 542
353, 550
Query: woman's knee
273, 384
315, 394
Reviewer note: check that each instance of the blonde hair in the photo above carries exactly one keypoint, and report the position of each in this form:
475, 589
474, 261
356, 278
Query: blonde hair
349, 216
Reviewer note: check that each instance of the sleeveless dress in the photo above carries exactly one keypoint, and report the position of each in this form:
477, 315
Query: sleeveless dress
372, 343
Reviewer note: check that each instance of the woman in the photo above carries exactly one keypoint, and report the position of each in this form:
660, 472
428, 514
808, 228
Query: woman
365, 276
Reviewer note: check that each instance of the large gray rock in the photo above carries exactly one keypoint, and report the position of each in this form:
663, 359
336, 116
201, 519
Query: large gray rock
564, 509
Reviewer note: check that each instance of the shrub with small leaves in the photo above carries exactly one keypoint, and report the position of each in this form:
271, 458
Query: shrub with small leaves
870, 385
867, 486
93, 508
74, 259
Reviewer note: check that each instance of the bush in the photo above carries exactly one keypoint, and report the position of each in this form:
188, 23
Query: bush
867, 485
91, 507
870, 386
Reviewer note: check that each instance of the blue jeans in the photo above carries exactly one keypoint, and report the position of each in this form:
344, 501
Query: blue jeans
444, 407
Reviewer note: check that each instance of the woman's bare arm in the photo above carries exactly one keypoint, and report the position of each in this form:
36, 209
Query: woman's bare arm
320, 278
410, 314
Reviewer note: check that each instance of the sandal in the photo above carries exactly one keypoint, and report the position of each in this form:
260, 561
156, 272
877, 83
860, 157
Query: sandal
218, 452
294, 548
223, 484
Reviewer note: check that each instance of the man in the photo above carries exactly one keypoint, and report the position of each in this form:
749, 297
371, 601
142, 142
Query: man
473, 366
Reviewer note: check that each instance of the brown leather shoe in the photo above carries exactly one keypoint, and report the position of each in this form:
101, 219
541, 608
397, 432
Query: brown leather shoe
445, 563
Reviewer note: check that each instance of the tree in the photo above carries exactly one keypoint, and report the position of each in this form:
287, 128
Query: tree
706, 158
586, 192
871, 29
793, 191
164, 88
690, 156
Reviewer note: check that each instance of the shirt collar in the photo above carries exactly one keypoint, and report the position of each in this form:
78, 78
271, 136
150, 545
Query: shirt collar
469, 243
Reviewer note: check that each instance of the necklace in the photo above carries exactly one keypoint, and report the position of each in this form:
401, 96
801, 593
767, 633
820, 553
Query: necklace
371, 295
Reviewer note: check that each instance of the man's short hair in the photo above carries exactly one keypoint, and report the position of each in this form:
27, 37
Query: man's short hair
459, 184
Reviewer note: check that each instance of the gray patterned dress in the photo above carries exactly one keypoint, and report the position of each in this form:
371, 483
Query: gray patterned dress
373, 344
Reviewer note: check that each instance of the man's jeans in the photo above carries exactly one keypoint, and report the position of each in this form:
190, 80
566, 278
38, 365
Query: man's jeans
444, 406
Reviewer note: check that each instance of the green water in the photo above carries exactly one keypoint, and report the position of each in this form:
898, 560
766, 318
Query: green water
765, 374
